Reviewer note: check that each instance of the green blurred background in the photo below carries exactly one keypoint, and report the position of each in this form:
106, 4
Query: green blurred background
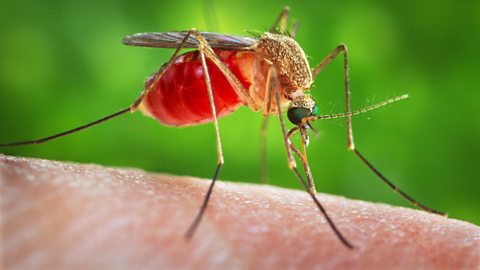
62, 64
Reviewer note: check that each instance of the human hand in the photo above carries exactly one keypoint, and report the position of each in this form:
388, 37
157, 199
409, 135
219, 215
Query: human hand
70, 216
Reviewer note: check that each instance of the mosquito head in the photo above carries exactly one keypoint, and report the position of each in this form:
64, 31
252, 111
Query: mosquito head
303, 105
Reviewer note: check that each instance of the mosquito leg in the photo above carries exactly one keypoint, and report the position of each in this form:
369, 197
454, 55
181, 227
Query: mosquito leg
311, 191
272, 82
156, 76
308, 172
302, 156
132, 108
280, 24
395, 188
65, 133
206, 51
267, 108
350, 142
263, 151
240, 90
220, 160
340, 49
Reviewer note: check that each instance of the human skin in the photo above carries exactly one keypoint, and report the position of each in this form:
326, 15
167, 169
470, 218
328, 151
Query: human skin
57, 215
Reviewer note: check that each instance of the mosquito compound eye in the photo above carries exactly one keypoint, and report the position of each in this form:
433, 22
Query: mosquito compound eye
315, 111
296, 114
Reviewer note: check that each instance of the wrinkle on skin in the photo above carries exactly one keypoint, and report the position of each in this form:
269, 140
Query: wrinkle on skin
66, 215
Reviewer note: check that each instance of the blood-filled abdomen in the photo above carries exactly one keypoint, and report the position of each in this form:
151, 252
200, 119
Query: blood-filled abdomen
180, 98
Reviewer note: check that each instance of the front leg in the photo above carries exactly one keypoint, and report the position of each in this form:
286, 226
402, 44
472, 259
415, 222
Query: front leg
272, 82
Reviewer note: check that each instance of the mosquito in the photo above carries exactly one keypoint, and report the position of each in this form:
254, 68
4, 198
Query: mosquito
268, 73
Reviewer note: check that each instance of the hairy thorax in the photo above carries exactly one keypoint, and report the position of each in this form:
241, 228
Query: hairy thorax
288, 59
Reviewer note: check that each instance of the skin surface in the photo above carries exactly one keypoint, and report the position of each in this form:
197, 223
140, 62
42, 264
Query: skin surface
57, 215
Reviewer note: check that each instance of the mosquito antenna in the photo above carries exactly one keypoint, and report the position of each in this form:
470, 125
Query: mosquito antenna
363, 110
65, 133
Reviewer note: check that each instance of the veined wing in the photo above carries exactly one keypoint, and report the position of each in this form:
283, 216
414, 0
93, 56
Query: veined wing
173, 40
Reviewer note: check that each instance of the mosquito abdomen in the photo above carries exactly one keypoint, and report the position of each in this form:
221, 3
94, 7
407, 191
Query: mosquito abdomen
179, 97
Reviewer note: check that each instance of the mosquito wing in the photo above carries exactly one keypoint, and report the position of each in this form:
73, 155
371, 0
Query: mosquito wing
173, 40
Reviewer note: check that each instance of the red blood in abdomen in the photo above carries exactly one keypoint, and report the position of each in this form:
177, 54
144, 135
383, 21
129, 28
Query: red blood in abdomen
180, 97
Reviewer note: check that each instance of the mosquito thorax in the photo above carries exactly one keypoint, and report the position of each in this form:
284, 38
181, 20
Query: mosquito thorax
302, 105
288, 58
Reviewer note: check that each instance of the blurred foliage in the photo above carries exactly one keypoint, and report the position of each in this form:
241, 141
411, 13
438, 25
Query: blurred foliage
62, 64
